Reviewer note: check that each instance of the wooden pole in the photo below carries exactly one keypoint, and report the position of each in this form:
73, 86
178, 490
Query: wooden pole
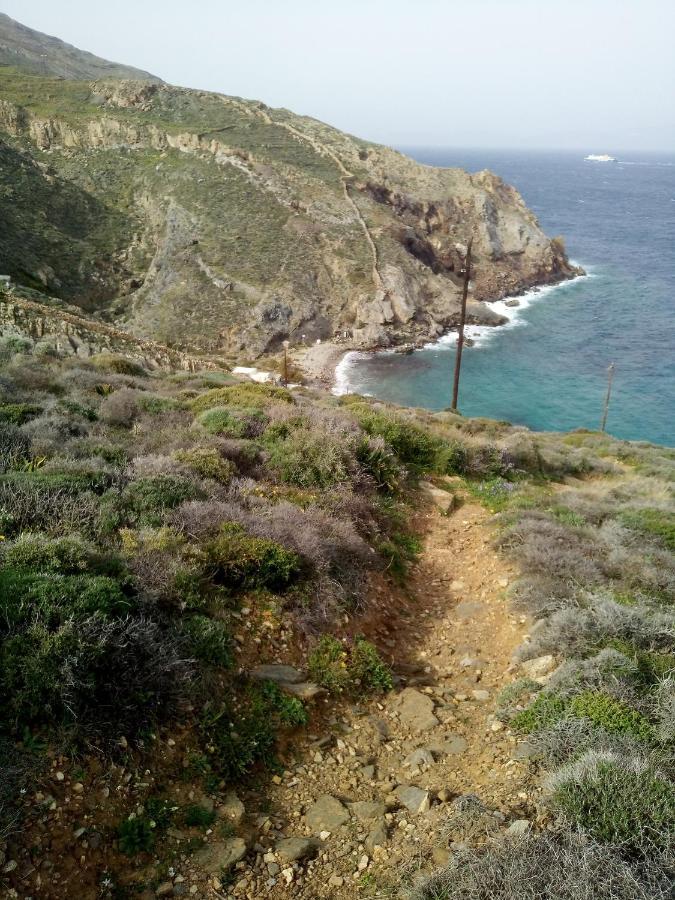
285, 363
462, 320
608, 395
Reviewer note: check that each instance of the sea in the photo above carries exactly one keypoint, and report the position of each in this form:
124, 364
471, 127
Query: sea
548, 367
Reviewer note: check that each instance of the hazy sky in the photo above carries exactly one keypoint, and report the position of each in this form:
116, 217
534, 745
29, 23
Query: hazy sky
597, 75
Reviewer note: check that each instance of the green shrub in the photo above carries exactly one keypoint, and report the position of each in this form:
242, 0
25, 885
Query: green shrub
494, 493
652, 666
657, 522
120, 365
545, 711
414, 445
196, 816
246, 394
354, 668
379, 461
145, 501
160, 812
65, 555
135, 836
18, 413
609, 714
78, 409
399, 551
309, 458
237, 560
236, 423
616, 800
207, 463
156, 405
290, 711
209, 641
54, 599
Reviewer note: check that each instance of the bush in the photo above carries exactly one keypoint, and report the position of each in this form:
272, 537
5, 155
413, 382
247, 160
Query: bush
236, 423
64, 555
546, 866
18, 413
617, 800
379, 461
207, 463
415, 446
309, 458
135, 836
198, 817
657, 522
246, 394
237, 560
120, 409
120, 365
356, 667
209, 641
39, 504
14, 447
145, 501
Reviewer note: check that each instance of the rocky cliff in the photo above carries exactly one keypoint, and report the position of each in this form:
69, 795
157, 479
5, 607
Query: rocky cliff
213, 222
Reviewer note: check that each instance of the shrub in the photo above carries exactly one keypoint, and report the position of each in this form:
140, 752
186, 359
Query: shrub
399, 550
310, 458
618, 800
611, 715
196, 816
14, 447
135, 836
246, 394
415, 446
657, 522
145, 501
236, 423
18, 413
65, 555
120, 365
237, 560
379, 461
547, 866
120, 409
207, 463
38, 504
355, 667
545, 711
156, 405
209, 641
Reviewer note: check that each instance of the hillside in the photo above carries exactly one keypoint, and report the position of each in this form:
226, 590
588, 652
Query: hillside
42, 54
261, 642
219, 224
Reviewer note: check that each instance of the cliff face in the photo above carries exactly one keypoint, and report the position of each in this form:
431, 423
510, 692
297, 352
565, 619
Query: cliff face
208, 221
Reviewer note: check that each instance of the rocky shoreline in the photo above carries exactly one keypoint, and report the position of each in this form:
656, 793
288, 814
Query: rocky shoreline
319, 362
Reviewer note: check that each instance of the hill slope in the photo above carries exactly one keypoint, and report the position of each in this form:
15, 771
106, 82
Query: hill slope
40, 53
218, 223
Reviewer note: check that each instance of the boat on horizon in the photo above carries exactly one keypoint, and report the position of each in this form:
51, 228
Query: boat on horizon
600, 157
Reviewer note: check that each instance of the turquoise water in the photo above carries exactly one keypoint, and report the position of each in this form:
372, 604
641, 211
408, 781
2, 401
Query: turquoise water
547, 369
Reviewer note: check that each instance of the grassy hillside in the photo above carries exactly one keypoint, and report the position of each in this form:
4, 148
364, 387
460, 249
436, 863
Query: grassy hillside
164, 534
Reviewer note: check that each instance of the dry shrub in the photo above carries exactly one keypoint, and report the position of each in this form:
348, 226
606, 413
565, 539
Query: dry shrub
547, 866
120, 409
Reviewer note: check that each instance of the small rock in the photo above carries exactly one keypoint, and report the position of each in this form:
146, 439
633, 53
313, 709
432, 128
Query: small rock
78, 787
413, 798
305, 690
363, 863
326, 814
295, 848
539, 666
377, 837
416, 710
336, 881
60, 776
220, 855
10, 866
366, 810
419, 759
440, 856
232, 809
481, 696
518, 828
165, 889
277, 673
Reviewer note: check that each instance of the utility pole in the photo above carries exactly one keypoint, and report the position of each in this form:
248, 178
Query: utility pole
285, 363
462, 320
608, 395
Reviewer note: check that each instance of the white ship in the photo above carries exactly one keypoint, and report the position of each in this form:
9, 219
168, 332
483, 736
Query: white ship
602, 157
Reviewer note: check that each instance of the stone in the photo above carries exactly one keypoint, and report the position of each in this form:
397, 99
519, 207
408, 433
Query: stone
539, 666
444, 500
377, 836
220, 855
367, 810
363, 863
413, 798
294, 848
523, 750
467, 609
367, 772
416, 710
165, 889
518, 828
305, 690
277, 673
326, 814
336, 881
419, 759
231, 809
481, 696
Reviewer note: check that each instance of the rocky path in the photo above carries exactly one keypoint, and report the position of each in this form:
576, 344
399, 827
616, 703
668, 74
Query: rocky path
363, 806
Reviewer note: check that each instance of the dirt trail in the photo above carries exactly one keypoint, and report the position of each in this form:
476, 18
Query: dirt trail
386, 809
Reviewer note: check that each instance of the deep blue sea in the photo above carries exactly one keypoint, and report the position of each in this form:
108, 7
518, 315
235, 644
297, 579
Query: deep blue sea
547, 368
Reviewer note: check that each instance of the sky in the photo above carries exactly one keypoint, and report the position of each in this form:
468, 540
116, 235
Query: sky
594, 75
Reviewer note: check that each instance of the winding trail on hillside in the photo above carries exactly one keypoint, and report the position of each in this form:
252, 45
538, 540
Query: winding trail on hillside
384, 772
346, 177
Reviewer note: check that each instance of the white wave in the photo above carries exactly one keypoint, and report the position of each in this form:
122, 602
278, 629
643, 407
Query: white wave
478, 334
